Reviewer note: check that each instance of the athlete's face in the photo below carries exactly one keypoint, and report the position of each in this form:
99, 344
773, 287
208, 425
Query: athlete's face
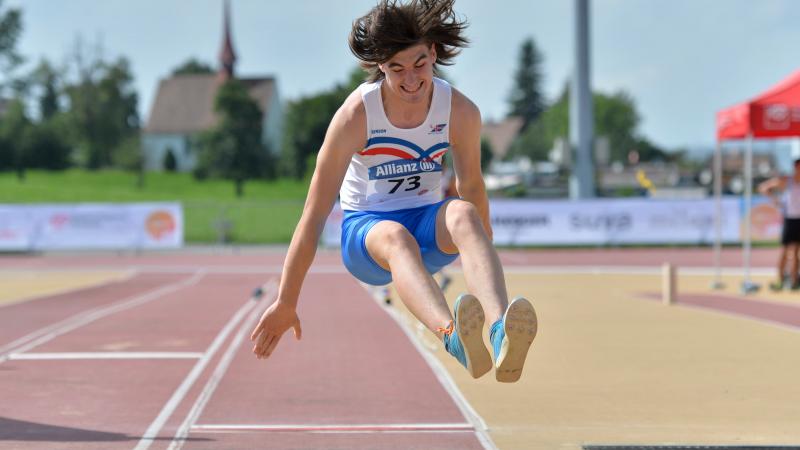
409, 73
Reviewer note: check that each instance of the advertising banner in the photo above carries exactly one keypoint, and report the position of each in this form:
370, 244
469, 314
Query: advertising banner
611, 221
599, 222
17, 228
91, 226
766, 219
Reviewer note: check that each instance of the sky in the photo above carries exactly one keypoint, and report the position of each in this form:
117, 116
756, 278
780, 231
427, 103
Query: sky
680, 60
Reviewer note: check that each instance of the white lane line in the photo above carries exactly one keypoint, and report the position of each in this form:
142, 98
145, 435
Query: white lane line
469, 413
102, 355
348, 428
219, 372
152, 431
50, 332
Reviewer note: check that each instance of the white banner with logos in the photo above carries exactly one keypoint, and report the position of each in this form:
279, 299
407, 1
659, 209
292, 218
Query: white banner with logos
598, 222
611, 221
91, 226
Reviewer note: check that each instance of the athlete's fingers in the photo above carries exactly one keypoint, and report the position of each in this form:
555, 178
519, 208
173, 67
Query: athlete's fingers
261, 343
257, 330
263, 352
271, 347
298, 332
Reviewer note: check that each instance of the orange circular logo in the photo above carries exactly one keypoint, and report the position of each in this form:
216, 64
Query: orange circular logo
160, 224
766, 221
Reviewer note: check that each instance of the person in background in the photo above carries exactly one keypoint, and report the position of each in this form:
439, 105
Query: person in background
785, 192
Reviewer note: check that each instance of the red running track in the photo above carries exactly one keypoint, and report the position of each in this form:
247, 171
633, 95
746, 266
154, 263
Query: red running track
168, 355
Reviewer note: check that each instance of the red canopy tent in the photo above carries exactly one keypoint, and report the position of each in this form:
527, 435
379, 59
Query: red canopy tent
773, 114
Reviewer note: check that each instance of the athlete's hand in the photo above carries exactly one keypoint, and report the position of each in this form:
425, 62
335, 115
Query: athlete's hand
278, 318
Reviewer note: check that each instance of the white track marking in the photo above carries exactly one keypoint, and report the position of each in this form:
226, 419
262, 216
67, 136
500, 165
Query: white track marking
102, 355
152, 431
446, 381
345, 428
219, 372
46, 334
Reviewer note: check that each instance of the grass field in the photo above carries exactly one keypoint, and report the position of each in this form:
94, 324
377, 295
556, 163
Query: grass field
267, 213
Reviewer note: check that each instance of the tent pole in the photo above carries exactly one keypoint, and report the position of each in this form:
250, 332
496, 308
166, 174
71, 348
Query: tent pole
747, 285
717, 283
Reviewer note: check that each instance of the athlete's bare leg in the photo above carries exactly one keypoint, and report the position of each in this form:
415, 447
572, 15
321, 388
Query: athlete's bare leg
459, 229
393, 247
791, 253
782, 263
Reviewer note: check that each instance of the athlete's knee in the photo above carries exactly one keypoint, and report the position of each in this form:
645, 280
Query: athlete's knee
462, 218
396, 239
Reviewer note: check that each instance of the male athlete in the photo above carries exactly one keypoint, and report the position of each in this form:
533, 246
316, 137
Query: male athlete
382, 154
789, 186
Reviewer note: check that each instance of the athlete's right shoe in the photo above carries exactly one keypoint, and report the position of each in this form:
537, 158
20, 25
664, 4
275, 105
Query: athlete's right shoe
511, 337
464, 337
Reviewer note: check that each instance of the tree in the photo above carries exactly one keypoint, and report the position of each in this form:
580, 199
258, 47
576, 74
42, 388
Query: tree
47, 79
102, 108
526, 99
170, 163
306, 123
193, 66
14, 129
536, 141
615, 116
45, 141
10, 30
486, 153
233, 149
46, 146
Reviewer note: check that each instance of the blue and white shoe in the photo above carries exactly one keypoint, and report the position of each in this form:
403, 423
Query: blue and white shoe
511, 337
464, 337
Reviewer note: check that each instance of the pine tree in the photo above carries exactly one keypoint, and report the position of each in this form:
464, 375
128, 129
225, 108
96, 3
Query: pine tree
526, 98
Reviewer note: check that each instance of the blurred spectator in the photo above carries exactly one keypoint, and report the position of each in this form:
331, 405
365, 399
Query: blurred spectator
789, 202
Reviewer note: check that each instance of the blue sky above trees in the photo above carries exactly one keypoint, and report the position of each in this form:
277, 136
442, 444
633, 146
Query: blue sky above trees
680, 60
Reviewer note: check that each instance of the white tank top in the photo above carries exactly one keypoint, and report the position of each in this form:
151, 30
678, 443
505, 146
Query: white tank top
399, 168
792, 199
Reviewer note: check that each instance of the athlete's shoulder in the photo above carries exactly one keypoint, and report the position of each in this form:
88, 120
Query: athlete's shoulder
463, 112
351, 117
352, 109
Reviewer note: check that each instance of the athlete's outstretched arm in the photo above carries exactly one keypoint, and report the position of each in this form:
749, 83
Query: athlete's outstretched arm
346, 135
465, 141
773, 184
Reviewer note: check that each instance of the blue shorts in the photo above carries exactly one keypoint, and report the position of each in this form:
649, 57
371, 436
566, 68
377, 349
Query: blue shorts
420, 222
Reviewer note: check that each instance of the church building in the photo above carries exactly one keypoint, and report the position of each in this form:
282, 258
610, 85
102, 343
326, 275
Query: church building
184, 107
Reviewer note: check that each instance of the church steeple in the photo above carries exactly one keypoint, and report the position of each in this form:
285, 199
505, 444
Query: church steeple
227, 57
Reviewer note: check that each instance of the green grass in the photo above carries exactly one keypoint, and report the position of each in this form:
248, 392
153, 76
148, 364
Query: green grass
267, 213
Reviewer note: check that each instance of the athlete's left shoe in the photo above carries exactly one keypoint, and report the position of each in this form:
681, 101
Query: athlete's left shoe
511, 337
464, 337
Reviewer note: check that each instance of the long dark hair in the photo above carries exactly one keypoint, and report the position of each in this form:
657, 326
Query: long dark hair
391, 27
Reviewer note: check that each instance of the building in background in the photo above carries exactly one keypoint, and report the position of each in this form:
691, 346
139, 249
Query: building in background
501, 135
184, 107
